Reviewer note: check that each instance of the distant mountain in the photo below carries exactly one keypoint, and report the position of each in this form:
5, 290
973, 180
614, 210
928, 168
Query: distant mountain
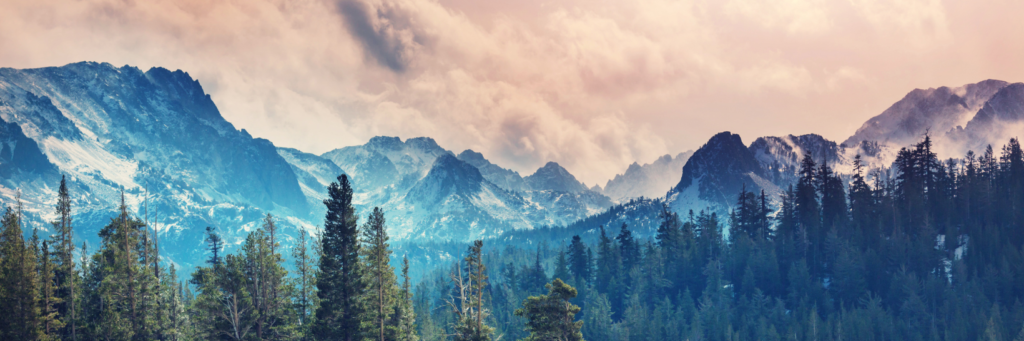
1001, 118
159, 138
430, 194
780, 156
504, 178
651, 180
716, 172
935, 110
112, 128
958, 119
314, 175
553, 177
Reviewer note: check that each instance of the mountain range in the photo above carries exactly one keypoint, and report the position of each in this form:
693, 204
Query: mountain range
158, 137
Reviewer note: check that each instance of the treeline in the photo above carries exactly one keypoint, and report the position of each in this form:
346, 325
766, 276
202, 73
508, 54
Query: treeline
928, 250
342, 287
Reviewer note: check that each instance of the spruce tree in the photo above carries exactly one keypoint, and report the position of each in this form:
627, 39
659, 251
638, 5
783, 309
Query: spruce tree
340, 282
18, 290
267, 284
809, 231
305, 284
607, 262
579, 261
380, 274
64, 266
562, 266
406, 315
49, 317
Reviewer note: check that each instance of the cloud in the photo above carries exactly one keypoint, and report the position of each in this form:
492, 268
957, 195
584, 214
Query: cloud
385, 33
593, 85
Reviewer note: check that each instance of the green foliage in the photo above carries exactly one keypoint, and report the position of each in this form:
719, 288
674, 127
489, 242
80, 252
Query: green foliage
551, 316
928, 250
340, 279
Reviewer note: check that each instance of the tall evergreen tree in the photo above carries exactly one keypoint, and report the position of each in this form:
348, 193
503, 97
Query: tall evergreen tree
49, 318
64, 266
380, 275
579, 261
340, 280
270, 292
470, 283
808, 212
404, 312
18, 289
305, 285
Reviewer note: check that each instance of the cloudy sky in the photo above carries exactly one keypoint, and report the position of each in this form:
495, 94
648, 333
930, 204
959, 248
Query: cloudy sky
591, 84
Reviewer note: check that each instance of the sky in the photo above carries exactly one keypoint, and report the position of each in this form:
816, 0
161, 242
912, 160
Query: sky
591, 84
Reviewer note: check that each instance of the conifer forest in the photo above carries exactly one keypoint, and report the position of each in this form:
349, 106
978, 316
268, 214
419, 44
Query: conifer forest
929, 249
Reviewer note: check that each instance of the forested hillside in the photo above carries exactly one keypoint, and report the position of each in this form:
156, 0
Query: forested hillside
927, 250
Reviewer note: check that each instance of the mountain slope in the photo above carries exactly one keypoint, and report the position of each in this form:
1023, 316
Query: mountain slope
958, 119
717, 171
552, 177
430, 194
935, 110
780, 156
1000, 119
651, 180
115, 128
504, 178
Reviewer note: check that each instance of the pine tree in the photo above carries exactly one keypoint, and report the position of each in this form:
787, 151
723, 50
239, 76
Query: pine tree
380, 274
629, 249
551, 316
18, 291
469, 285
597, 319
207, 304
306, 285
809, 213
406, 325
579, 261
121, 285
49, 318
267, 285
533, 277
340, 282
561, 266
607, 262
64, 265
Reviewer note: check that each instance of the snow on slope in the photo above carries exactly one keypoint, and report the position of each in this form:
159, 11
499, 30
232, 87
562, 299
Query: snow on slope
429, 194
158, 137
651, 180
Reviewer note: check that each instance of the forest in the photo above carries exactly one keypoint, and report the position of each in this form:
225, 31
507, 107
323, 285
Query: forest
929, 249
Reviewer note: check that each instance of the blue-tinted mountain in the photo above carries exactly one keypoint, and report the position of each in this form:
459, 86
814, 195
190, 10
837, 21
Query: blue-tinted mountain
430, 194
650, 180
956, 119
780, 156
717, 171
503, 177
552, 177
111, 128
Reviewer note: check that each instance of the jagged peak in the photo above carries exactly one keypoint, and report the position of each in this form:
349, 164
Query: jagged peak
470, 155
552, 168
385, 142
448, 164
553, 176
423, 143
